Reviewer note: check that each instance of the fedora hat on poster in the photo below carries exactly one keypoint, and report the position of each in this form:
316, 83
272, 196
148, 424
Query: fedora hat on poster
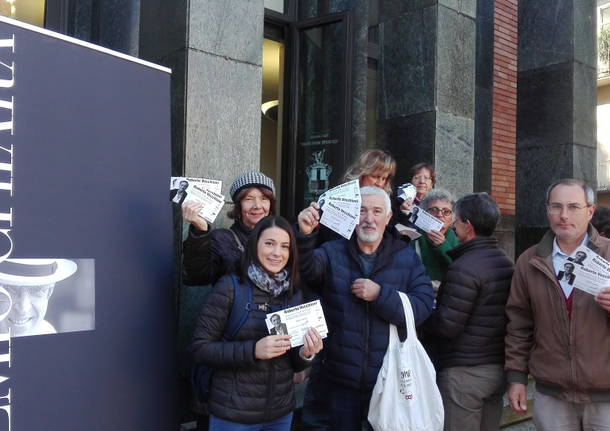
35, 272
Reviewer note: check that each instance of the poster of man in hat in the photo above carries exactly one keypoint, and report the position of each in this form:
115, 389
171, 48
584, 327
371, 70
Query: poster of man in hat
26, 285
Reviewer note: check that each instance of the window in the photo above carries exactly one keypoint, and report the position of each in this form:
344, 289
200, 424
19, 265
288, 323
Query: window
30, 11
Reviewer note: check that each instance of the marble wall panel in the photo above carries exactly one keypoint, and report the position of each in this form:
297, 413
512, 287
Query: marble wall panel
544, 106
407, 64
584, 163
390, 9
546, 34
526, 237
465, 7
409, 139
163, 28
484, 44
222, 118
585, 105
454, 153
483, 95
482, 140
228, 28
315, 8
537, 167
455, 68
585, 32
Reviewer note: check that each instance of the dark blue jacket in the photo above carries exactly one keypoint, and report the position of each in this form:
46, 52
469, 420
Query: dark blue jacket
358, 330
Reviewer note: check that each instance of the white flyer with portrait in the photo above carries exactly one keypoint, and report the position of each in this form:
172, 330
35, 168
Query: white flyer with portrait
424, 220
586, 270
341, 208
212, 185
296, 321
202, 190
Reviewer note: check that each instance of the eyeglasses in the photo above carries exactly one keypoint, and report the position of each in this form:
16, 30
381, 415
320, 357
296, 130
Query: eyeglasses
421, 178
437, 211
571, 208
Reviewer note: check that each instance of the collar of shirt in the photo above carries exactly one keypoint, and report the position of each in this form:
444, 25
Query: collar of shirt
559, 258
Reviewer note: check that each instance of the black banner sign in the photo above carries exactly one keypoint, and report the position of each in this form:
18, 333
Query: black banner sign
87, 328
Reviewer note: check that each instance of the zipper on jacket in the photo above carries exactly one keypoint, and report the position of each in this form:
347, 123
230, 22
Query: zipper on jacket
270, 385
271, 380
365, 360
570, 346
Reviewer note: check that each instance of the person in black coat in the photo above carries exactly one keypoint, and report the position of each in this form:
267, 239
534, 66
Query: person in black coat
469, 319
252, 381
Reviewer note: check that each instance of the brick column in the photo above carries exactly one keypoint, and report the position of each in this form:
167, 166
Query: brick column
504, 120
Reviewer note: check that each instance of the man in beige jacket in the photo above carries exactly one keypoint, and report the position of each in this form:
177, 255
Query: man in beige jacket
558, 334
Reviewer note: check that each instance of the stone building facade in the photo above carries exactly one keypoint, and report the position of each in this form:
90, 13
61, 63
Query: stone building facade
498, 94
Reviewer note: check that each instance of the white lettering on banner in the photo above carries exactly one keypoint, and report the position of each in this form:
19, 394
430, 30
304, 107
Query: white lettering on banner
7, 104
9, 168
9, 218
4, 335
6, 233
5, 400
7, 125
7, 408
8, 43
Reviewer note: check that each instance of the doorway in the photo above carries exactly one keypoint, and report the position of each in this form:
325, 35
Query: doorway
306, 107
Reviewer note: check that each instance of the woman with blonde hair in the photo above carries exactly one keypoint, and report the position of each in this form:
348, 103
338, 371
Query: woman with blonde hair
373, 168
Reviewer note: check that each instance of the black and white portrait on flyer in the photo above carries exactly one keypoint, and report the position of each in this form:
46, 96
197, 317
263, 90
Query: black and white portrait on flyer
296, 321
424, 220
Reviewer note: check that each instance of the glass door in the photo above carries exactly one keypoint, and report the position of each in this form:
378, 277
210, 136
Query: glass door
321, 116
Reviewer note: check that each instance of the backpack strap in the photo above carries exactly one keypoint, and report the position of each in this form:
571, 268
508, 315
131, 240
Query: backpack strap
242, 300
240, 246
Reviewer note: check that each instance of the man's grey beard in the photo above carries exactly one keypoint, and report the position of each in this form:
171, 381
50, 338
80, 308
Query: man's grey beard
367, 237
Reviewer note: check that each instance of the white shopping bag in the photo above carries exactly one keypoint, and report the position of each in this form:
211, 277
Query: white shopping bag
405, 396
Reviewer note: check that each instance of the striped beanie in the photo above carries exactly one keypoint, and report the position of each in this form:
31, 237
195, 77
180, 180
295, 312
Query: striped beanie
251, 179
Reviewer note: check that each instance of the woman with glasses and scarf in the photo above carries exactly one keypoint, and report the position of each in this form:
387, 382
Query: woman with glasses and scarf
434, 245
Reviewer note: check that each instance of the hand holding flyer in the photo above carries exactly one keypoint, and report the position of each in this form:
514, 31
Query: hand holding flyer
295, 321
586, 270
201, 190
341, 208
